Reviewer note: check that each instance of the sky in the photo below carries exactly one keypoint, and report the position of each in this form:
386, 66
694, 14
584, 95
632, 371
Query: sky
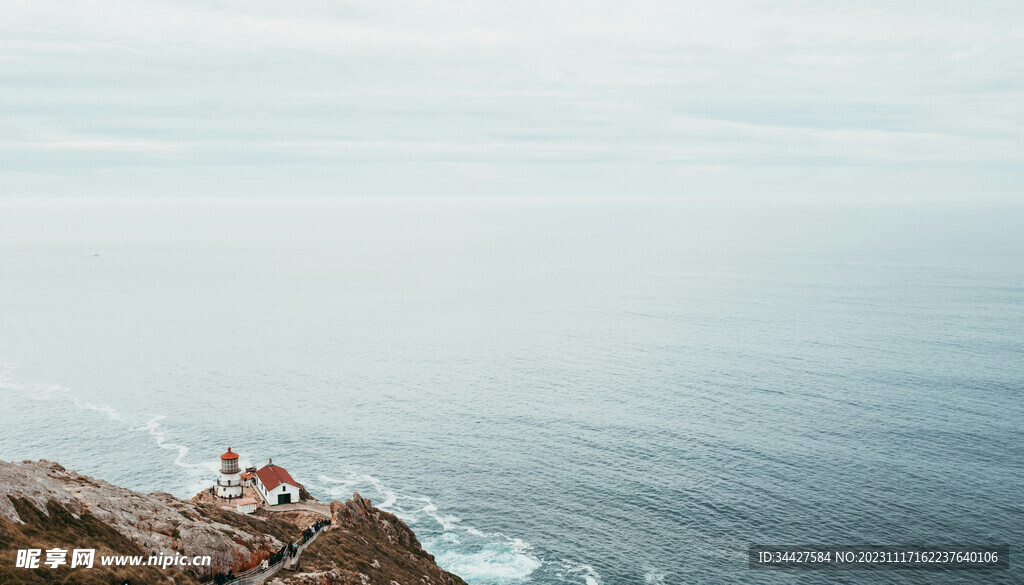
541, 98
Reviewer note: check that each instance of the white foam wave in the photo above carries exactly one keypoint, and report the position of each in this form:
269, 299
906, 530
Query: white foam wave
578, 571
654, 576
494, 562
345, 487
473, 554
153, 427
49, 392
110, 412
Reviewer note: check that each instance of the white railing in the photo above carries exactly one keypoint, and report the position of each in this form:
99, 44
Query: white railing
259, 574
292, 561
255, 575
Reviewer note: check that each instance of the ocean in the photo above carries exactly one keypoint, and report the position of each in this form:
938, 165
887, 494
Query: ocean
552, 390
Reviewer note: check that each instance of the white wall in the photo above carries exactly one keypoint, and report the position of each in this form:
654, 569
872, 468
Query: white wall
283, 489
271, 496
235, 489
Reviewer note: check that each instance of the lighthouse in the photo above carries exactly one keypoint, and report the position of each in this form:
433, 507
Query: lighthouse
229, 483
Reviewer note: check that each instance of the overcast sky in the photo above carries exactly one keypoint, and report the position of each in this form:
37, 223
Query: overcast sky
714, 98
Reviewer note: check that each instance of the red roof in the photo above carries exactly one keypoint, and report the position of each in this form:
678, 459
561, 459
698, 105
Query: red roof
229, 455
246, 502
246, 475
272, 476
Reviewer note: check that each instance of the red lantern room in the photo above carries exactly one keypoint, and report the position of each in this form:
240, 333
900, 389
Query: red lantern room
229, 462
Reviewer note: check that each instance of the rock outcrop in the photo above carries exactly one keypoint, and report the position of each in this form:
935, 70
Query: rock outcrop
158, 523
42, 505
366, 546
358, 513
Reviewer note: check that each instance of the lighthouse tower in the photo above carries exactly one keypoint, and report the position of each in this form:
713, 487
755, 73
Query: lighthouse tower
229, 483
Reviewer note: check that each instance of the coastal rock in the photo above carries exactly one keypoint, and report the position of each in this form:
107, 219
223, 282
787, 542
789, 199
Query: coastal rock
158, 523
33, 482
42, 504
364, 546
304, 495
358, 512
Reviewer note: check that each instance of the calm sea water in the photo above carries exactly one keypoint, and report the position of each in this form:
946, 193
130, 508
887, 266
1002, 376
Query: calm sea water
548, 391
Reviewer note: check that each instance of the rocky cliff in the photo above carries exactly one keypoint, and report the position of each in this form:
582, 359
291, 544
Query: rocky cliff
366, 545
43, 505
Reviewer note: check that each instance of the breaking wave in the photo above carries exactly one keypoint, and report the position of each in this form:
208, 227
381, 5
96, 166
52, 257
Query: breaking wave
200, 475
153, 427
493, 562
577, 572
654, 577
48, 392
476, 556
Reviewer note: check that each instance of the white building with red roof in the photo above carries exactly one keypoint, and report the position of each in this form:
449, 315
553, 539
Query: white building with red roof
246, 505
274, 484
229, 482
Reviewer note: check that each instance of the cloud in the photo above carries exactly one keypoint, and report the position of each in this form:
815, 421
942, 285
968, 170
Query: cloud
590, 90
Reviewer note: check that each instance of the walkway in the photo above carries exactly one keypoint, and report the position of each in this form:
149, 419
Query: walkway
286, 558
292, 562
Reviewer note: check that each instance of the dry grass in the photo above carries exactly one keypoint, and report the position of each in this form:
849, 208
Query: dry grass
356, 550
279, 528
62, 530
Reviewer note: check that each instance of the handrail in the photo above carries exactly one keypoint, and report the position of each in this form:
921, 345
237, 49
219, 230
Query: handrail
259, 574
307, 538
